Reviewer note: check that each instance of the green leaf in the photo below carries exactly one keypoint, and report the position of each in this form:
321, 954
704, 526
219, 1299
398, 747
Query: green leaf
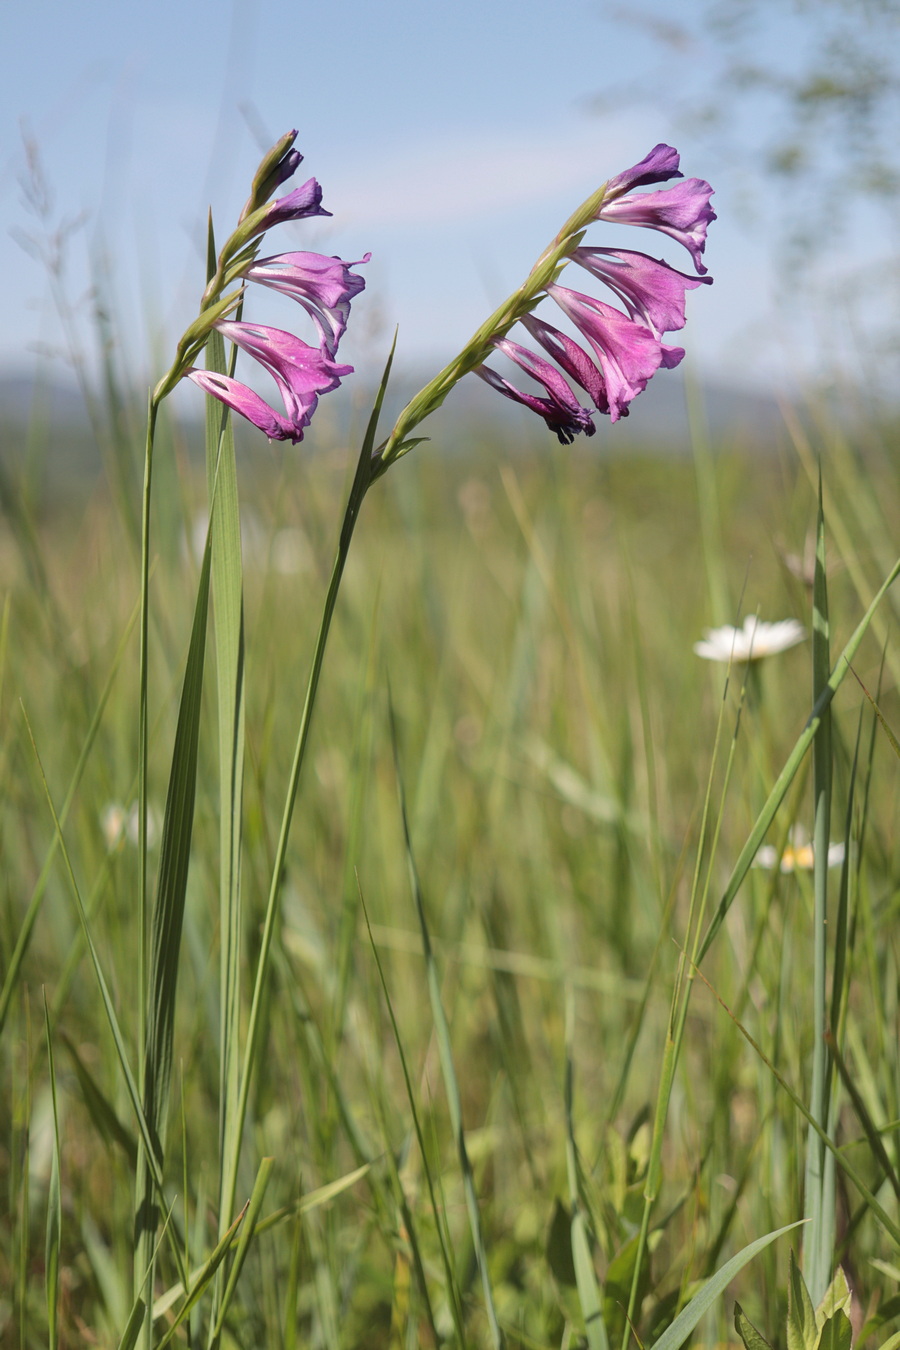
676, 1335
133, 1326
588, 1289
228, 609
837, 1298
802, 1332
168, 918
833, 1315
103, 1116
620, 1279
252, 1210
559, 1245
54, 1205
753, 1339
200, 1281
836, 1333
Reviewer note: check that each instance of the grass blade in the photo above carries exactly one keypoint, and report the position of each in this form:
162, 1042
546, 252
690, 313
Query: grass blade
168, 917
248, 1229
360, 486
818, 1237
26, 929
676, 1335
445, 1055
54, 1206
792, 764
228, 608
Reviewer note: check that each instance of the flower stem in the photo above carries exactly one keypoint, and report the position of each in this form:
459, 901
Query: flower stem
521, 302
143, 1255
361, 483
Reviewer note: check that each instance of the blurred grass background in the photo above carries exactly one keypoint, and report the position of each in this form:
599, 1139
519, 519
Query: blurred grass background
528, 611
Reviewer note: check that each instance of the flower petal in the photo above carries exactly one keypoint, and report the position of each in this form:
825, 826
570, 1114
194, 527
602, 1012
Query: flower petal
301, 372
650, 289
242, 400
573, 359
660, 165
628, 353
305, 200
683, 212
323, 286
754, 640
561, 411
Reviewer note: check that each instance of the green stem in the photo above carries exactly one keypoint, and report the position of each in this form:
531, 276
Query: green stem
143, 1250
143, 908
361, 484
479, 346
818, 1240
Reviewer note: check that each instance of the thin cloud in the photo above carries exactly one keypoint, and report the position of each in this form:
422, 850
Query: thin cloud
469, 176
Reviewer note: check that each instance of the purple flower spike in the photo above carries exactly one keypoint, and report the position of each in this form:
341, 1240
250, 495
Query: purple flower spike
323, 286
561, 411
628, 348
573, 359
305, 200
286, 168
651, 290
683, 212
249, 404
658, 167
628, 353
299, 370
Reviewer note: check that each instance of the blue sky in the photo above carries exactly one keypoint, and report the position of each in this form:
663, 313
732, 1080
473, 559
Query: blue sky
451, 141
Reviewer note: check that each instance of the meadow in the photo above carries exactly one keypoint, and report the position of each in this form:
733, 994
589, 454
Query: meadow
488, 1097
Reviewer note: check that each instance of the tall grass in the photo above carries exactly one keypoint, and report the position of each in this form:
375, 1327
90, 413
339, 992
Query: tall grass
438, 1064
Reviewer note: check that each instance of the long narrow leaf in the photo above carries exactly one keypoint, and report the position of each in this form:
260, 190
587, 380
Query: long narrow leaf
168, 917
445, 1055
360, 486
29, 920
676, 1335
449, 1273
54, 1204
248, 1229
818, 1237
794, 760
228, 608
200, 1283
112, 1019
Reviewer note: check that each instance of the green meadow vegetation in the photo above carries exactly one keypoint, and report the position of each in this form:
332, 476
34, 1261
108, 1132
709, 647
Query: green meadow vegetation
525, 1050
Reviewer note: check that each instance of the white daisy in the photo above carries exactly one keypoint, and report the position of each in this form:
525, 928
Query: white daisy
750, 643
798, 855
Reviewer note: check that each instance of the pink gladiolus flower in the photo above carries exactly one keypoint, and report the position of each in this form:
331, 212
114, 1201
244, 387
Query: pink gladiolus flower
561, 411
628, 353
323, 286
300, 371
683, 212
243, 400
651, 290
658, 167
573, 359
628, 348
305, 200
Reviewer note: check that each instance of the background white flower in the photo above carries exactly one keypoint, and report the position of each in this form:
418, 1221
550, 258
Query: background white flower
751, 642
798, 855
